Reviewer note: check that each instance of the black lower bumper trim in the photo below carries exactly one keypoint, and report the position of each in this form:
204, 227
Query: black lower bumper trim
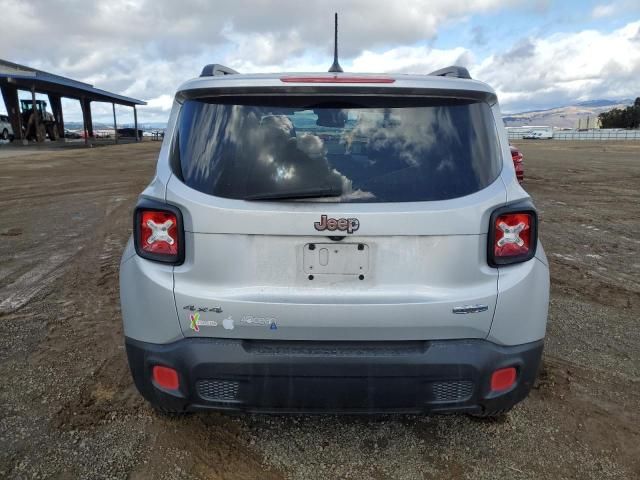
347, 377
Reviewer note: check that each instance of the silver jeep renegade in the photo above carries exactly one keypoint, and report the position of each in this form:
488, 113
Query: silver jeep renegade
335, 242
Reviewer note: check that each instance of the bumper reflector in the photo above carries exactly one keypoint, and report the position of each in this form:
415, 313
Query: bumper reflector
503, 379
166, 377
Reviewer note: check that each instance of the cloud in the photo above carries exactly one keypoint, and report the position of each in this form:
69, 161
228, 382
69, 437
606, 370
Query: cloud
479, 36
410, 59
600, 11
163, 102
615, 7
146, 49
565, 67
535, 72
520, 52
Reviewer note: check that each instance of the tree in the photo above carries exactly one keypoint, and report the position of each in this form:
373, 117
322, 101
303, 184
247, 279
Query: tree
622, 118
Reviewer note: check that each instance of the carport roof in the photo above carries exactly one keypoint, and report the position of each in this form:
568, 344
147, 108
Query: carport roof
44, 82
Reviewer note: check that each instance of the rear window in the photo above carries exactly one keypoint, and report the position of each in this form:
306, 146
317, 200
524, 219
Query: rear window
321, 149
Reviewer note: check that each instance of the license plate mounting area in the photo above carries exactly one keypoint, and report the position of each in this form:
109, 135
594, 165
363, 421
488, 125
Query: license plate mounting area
336, 259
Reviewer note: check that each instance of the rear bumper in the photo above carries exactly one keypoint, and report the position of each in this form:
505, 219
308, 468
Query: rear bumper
348, 377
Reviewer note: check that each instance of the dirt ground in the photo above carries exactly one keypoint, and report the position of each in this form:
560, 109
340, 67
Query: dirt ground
68, 408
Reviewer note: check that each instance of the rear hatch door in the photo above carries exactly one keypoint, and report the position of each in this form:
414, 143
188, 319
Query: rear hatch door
336, 218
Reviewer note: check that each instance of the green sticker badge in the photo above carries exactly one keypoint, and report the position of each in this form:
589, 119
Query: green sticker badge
195, 317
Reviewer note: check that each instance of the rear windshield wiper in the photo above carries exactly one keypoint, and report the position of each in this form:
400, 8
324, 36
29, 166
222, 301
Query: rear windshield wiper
296, 194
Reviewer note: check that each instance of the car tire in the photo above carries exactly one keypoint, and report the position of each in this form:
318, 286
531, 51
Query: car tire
5, 134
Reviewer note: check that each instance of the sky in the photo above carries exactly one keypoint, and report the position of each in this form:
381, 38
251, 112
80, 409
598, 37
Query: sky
535, 54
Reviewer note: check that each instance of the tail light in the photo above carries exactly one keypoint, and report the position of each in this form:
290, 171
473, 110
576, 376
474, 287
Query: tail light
517, 156
337, 79
513, 236
158, 232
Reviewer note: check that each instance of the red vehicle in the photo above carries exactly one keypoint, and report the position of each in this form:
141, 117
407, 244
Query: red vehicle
517, 157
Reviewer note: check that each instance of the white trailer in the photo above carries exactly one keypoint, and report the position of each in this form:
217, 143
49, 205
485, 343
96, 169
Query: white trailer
530, 132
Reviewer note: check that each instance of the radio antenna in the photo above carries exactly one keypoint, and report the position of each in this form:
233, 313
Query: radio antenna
336, 66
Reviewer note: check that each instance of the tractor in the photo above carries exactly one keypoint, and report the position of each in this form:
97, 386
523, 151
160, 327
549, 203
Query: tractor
46, 126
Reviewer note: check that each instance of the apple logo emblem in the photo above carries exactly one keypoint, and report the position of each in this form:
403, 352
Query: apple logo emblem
227, 323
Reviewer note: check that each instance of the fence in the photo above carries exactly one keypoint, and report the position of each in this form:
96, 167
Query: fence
596, 134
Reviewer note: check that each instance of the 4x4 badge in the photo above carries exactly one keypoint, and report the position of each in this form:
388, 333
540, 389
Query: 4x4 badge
349, 225
193, 308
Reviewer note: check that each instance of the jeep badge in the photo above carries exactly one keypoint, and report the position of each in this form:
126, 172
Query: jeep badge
332, 224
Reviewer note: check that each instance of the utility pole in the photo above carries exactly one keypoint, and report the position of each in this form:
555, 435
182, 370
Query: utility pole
35, 116
115, 126
135, 122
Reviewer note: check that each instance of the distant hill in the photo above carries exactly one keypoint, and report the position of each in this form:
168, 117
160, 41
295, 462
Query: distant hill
567, 116
602, 103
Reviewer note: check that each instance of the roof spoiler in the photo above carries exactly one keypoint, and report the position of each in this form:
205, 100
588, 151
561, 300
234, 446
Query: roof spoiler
216, 70
452, 71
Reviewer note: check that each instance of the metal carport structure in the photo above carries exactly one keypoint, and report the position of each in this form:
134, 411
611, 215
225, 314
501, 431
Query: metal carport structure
14, 77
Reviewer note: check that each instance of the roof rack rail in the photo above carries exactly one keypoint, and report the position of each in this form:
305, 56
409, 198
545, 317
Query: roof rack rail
216, 70
452, 71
